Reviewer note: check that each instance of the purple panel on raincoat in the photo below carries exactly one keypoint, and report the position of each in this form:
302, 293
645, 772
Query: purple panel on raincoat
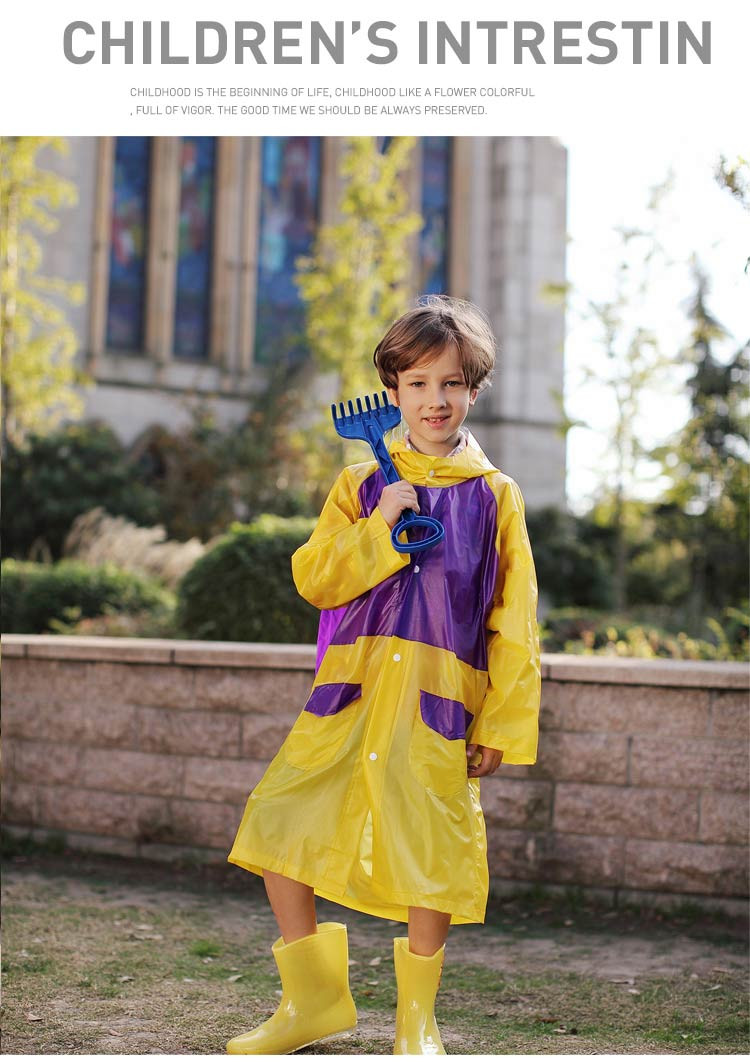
331, 697
444, 596
327, 625
443, 715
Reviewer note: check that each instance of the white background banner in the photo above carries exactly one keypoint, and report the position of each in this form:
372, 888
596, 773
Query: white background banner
524, 67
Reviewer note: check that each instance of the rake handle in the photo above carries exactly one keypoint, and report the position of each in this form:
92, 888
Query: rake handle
409, 519
384, 459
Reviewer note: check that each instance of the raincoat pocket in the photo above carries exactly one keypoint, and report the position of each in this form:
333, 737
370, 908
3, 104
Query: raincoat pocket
437, 748
323, 725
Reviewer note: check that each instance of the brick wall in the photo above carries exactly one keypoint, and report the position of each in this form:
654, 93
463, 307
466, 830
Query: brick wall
149, 747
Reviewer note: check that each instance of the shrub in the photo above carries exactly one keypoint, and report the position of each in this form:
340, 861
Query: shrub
54, 478
586, 631
206, 476
242, 589
187, 470
98, 538
149, 623
570, 556
38, 596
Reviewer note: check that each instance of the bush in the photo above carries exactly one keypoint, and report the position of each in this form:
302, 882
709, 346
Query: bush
571, 558
659, 571
586, 631
187, 470
98, 538
150, 623
207, 476
39, 598
55, 477
242, 590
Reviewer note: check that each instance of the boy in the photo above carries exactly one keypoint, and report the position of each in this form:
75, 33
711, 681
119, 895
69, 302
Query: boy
428, 678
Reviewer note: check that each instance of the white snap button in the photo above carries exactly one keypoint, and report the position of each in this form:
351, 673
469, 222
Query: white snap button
431, 472
397, 656
373, 755
416, 567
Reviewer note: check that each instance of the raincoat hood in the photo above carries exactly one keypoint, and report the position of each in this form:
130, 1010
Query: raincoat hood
428, 471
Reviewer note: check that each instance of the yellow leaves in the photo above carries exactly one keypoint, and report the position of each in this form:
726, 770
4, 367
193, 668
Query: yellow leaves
38, 374
355, 281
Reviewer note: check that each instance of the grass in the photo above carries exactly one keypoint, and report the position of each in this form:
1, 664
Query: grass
561, 907
106, 956
565, 1012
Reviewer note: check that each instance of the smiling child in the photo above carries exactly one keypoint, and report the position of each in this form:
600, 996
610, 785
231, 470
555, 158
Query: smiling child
428, 679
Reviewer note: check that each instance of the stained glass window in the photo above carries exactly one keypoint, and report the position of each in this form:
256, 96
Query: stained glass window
127, 257
290, 182
436, 192
193, 284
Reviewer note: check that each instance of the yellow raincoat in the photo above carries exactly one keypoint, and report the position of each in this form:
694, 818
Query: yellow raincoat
368, 798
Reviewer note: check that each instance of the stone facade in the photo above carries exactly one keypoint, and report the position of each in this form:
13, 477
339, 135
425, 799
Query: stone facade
525, 229
151, 748
507, 241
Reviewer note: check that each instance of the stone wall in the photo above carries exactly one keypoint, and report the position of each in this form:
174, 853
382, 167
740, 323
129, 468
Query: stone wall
149, 747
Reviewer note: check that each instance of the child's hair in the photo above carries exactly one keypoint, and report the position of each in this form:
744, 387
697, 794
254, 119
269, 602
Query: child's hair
427, 329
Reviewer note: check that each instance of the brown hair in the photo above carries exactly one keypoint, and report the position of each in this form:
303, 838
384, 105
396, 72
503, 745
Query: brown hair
434, 323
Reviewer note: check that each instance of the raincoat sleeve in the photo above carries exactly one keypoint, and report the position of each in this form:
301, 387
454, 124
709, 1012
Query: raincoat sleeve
347, 554
508, 718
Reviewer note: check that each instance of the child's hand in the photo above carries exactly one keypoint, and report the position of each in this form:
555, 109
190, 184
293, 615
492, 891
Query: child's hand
395, 498
489, 761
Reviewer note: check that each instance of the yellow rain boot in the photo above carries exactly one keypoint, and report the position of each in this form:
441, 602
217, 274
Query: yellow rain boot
418, 979
316, 1003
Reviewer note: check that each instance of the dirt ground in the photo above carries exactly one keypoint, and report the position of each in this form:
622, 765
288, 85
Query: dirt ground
110, 956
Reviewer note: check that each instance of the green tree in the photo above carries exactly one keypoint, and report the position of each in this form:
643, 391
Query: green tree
735, 177
708, 463
633, 366
356, 280
38, 344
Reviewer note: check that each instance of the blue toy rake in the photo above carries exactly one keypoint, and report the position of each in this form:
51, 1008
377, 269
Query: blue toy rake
370, 423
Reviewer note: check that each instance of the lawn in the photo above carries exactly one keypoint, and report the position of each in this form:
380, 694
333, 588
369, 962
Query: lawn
110, 956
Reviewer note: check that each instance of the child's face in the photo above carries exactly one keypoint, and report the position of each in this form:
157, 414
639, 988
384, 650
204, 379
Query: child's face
434, 401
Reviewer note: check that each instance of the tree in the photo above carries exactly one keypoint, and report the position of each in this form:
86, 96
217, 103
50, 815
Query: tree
38, 344
632, 367
355, 281
735, 177
708, 463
